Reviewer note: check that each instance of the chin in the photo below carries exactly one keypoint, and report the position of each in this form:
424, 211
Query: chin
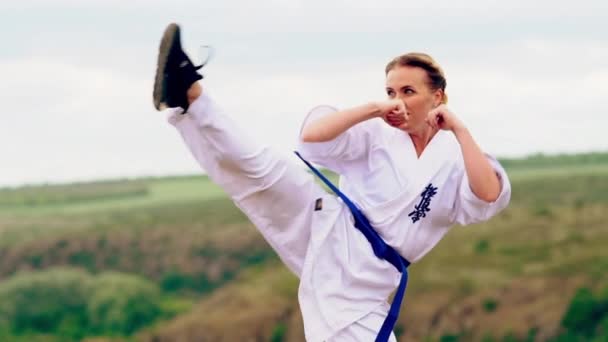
404, 127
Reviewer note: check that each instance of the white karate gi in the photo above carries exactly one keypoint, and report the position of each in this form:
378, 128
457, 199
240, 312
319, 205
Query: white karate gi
343, 286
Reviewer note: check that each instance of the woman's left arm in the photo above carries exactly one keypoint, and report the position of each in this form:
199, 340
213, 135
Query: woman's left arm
483, 180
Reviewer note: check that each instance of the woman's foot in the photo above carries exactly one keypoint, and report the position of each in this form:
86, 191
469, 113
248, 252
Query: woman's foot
175, 84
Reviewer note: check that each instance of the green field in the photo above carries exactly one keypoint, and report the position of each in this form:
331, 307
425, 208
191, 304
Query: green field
180, 243
104, 196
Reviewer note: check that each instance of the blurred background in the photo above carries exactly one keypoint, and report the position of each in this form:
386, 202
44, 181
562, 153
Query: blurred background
110, 232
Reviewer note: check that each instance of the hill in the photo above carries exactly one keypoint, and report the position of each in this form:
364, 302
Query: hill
513, 277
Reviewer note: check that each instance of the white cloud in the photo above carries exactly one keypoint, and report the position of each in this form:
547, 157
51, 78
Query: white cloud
71, 122
78, 97
333, 15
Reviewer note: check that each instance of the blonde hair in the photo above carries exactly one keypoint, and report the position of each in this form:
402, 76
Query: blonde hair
425, 62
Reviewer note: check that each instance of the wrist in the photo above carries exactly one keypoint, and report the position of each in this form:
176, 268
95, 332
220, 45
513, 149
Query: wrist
459, 130
374, 110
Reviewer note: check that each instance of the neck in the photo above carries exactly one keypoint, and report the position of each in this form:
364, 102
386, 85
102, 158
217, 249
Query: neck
422, 138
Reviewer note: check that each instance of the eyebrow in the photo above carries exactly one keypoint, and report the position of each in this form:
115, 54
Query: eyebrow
402, 88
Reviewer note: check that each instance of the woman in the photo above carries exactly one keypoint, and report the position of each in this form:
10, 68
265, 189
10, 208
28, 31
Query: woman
408, 163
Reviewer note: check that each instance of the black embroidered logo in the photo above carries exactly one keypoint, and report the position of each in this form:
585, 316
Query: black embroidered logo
423, 207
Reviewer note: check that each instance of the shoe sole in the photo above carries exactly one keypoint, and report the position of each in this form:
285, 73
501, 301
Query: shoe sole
167, 41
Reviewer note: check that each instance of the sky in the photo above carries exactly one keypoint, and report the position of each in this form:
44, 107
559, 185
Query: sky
525, 77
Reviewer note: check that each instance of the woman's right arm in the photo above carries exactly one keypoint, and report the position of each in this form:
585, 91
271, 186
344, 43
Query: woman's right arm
332, 125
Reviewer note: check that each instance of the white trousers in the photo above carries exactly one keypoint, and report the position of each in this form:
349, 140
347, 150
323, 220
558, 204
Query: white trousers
275, 194
365, 329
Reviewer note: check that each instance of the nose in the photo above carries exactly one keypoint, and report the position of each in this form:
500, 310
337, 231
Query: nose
403, 99
405, 104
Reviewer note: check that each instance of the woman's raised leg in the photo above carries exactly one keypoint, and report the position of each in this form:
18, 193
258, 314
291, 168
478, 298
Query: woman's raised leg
277, 196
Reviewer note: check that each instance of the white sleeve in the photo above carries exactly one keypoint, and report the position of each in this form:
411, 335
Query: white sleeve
469, 208
348, 146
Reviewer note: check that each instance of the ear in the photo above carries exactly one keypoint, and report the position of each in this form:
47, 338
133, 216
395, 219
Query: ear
437, 97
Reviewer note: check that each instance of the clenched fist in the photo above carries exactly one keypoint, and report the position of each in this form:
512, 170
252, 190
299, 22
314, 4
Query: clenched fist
392, 112
442, 118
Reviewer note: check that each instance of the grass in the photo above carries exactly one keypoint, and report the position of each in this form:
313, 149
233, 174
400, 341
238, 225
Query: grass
34, 196
532, 173
184, 233
150, 193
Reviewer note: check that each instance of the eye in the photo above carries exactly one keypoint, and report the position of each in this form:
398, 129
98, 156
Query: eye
390, 93
408, 91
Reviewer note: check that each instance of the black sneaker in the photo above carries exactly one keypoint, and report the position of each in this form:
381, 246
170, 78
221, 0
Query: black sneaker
175, 73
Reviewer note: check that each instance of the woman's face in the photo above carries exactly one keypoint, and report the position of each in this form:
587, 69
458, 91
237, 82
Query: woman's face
411, 85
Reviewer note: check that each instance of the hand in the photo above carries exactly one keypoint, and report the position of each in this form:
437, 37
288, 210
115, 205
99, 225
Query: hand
393, 112
442, 118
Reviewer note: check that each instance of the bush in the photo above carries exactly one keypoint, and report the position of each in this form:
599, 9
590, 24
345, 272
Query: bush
509, 337
45, 302
569, 337
586, 318
482, 246
174, 281
121, 304
399, 330
584, 313
449, 338
490, 304
278, 334
532, 335
71, 303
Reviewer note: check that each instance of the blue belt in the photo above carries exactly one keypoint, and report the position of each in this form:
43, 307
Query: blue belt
381, 249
